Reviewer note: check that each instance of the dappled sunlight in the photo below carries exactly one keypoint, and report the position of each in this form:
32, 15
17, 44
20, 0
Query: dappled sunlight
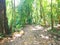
18, 34
45, 37
29, 22
17, 2
36, 27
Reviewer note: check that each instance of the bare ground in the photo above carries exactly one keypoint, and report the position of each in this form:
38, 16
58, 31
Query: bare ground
33, 35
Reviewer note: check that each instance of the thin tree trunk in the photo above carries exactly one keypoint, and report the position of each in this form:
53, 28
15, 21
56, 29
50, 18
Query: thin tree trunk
59, 11
41, 8
59, 19
51, 16
42, 13
14, 14
11, 26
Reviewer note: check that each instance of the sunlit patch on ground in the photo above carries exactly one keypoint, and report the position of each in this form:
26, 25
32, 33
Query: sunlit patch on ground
45, 37
37, 27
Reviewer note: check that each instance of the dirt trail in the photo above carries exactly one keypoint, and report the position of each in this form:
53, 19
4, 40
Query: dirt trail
34, 35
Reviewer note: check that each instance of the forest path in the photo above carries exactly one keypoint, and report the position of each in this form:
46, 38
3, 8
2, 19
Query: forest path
33, 35
36, 35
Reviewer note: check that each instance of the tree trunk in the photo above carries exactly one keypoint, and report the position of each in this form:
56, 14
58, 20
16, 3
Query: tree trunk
4, 28
51, 17
59, 19
59, 11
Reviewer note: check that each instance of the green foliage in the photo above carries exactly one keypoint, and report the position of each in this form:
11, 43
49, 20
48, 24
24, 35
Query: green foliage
1, 35
54, 31
32, 12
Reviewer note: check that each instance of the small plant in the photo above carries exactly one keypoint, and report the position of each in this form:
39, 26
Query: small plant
54, 31
1, 36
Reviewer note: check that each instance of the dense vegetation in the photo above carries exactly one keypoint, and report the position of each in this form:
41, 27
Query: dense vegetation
21, 12
38, 12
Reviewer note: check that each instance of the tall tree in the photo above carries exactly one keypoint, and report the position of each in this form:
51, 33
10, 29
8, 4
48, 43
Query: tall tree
51, 16
4, 28
58, 13
42, 12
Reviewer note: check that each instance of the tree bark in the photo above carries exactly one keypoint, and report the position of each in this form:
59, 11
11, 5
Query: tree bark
4, 28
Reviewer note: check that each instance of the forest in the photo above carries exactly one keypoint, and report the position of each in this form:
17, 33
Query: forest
22, 18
